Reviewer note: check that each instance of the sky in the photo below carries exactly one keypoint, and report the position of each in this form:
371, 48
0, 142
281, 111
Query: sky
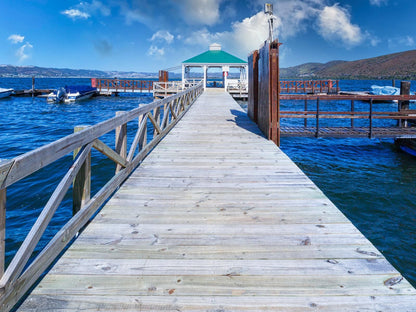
149, 35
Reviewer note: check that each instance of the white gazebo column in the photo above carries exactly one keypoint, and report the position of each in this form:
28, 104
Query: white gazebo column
225, 70
205, 76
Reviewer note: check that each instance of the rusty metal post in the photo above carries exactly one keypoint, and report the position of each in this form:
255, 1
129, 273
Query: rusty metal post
274, 101
253, 86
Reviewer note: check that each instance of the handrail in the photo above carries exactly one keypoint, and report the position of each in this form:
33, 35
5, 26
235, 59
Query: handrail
122, 85
353, 114
309, 86
162, 114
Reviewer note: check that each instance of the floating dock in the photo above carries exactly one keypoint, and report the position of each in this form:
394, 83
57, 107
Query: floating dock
217, 218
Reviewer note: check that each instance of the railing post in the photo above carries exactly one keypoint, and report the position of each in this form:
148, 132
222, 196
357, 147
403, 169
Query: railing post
82, 182
121, 141
143, 140
404, 105
305, 120
370, 135
317, 117
2, 230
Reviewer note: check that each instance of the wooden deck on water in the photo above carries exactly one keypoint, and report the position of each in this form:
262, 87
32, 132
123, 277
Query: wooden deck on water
217, 218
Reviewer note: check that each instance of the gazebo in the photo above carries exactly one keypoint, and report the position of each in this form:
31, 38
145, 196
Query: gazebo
215, 58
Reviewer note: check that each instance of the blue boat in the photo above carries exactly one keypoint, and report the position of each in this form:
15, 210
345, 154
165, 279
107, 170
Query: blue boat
78, 93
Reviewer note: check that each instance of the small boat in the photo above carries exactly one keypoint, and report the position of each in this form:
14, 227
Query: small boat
79, 93
387, 90
5, 92
384, 90
71, 94
57, 96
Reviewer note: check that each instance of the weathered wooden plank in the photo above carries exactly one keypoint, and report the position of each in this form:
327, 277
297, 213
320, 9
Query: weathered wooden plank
130, 250
223, 285
237, 302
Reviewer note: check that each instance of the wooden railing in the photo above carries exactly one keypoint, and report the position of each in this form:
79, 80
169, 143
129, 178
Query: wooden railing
122, 85
163, 89
309, 86
402, 116
21, 273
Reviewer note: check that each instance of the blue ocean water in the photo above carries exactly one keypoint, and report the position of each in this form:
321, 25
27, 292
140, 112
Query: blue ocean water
370, 181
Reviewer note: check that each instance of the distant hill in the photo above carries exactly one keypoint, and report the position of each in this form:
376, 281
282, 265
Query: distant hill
42, 72
398, 65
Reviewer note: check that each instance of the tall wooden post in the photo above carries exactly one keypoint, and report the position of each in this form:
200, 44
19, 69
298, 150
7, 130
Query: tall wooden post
121, 141
404, 105
253, 86
82, 182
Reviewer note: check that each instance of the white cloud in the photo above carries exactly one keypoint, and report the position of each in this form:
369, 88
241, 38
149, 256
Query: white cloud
16, 38
200, 12
296, 15
163, 35
251, 32
334, 24
163, 14
75, 14
155, 51
94, 7
408, 41
244, 37
400, 42
22, 53
378, 2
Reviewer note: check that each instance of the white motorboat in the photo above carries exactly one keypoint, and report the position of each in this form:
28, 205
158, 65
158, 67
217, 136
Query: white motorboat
57, 96
5, 92
71, 94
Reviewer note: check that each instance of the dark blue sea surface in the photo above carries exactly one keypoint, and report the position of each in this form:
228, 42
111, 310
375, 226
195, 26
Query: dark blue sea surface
370, 181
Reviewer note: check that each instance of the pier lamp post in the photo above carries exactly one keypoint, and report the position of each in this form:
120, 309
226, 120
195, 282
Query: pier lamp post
268, 10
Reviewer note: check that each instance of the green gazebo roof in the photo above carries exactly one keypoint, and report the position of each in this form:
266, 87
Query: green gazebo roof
215, 57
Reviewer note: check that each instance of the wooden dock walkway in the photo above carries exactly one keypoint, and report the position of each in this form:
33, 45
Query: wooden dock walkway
217, 218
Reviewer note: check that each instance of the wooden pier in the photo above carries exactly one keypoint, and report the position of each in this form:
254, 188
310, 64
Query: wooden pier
218, 218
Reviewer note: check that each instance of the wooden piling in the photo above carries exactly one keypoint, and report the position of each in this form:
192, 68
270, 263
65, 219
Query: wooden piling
404, 105
82, 182
121, 141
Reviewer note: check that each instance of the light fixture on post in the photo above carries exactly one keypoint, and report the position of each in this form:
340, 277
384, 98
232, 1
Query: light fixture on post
268, 10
